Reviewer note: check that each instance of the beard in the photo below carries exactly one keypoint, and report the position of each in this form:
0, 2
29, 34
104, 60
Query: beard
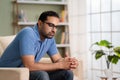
50, 35
46, 36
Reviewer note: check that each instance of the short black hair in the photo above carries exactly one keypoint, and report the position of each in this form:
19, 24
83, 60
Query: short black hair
45, 14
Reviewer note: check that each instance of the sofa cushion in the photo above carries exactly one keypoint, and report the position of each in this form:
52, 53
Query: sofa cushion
14, 74
4, 42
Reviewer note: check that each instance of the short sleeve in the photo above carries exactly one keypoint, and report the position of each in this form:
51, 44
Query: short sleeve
26, 42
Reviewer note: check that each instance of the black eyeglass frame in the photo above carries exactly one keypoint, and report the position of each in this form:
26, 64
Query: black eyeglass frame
51, 25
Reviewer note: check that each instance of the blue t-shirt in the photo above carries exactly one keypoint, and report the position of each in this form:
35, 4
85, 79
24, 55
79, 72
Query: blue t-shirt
27, 42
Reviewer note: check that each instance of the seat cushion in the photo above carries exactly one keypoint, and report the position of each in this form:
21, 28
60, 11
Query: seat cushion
4, 42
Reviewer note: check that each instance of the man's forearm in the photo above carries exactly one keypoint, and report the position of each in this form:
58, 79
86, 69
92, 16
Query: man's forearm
61, 59
44, 66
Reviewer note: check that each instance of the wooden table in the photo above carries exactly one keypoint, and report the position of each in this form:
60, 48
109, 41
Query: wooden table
105, 78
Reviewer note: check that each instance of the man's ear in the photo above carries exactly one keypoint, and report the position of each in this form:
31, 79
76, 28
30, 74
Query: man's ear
39, 22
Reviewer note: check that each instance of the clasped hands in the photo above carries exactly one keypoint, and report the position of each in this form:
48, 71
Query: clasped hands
68, 63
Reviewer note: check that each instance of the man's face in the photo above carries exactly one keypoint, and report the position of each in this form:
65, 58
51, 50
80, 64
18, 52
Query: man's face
48, 28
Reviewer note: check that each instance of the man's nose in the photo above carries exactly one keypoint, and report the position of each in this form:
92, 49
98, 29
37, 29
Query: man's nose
54, 29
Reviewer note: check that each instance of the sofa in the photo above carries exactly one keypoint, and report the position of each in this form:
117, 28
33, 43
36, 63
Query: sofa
23, 73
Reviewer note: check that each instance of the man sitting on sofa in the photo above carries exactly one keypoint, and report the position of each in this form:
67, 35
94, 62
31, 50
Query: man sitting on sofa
32, 43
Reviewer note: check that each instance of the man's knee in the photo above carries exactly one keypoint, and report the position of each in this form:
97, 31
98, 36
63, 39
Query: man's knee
69, 73
39, 75
43, 75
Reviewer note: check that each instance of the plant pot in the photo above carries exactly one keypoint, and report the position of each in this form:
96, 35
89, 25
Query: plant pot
108, 75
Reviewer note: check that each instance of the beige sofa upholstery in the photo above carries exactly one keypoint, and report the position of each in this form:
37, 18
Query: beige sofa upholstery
23, 73
14, 74
11, 73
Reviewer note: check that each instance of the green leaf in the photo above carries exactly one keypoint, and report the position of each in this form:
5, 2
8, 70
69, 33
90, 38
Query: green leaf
99, 54
110, 46
96, 43
113, 59
105, 43
117, 51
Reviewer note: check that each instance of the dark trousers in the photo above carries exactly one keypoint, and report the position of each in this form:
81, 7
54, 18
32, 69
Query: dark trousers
52, 75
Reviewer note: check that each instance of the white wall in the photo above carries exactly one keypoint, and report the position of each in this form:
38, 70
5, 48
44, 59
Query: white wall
77, 22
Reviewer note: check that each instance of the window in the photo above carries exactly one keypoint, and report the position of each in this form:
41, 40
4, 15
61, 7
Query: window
103, 22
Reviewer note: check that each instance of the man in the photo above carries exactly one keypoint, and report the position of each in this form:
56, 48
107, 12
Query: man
31, 44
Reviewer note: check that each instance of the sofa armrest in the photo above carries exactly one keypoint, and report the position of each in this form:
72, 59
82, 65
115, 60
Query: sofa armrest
14, 74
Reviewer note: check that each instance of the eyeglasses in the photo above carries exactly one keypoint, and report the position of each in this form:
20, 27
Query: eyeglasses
51, 25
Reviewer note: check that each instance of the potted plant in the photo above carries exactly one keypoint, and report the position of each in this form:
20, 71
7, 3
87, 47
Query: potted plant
105, 49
